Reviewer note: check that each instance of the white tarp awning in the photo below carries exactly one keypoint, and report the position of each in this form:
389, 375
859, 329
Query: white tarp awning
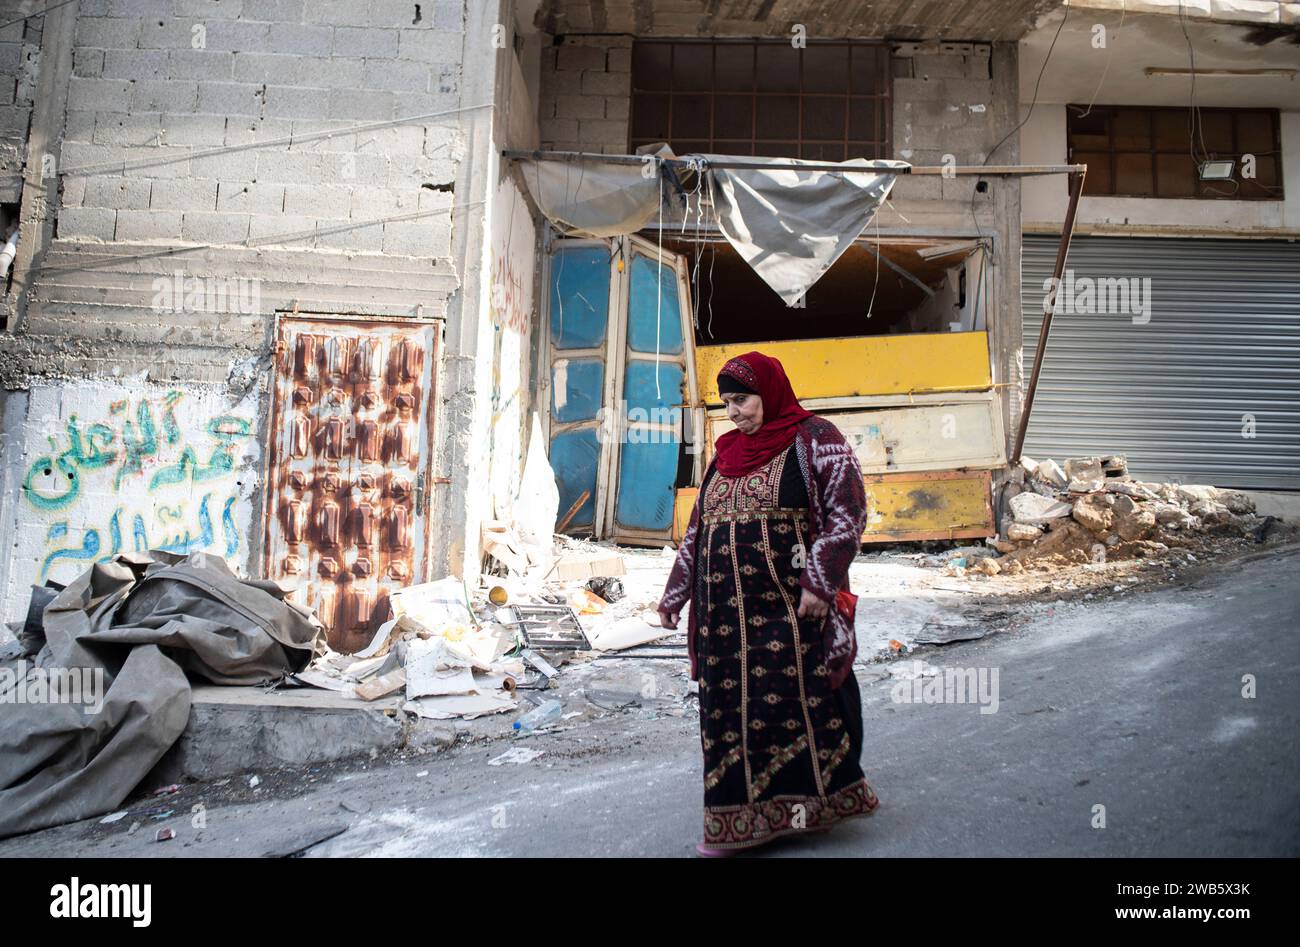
788, 224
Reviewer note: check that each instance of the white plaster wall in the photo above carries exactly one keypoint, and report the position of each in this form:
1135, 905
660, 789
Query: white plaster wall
1044, 199
512, 246
95, 468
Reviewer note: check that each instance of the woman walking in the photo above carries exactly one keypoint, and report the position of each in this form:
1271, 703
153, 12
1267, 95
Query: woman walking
764, 564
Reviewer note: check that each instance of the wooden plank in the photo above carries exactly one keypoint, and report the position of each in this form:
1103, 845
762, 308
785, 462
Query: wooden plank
937, 505
863, 365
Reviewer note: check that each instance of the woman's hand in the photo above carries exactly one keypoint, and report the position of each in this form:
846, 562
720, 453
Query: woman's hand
668, 620
810, 606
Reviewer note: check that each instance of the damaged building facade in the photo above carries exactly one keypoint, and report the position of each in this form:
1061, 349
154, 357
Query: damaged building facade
283, 290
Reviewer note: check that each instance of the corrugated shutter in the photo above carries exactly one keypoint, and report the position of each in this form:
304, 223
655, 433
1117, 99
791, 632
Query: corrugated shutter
1176, 393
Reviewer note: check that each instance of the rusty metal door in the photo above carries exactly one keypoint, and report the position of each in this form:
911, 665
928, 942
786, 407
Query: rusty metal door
347, 497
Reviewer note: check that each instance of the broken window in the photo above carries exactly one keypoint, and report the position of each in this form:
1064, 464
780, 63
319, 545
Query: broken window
829, 101
1157, 152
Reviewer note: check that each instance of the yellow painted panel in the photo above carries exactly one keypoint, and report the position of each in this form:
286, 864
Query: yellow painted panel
947, 436
863, 365
928, 506
685, 502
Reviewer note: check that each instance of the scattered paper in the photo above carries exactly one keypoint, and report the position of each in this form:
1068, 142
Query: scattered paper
518, 754
467, 706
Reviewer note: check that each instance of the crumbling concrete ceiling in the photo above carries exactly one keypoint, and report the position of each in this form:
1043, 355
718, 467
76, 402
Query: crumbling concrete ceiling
901, 19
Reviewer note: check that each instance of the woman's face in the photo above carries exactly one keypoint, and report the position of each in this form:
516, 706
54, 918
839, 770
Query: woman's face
744, 410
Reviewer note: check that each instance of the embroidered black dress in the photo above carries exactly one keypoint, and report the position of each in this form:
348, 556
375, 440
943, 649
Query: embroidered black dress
781, 748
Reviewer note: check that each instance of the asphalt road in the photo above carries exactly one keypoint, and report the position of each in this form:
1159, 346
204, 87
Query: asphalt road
1131, 703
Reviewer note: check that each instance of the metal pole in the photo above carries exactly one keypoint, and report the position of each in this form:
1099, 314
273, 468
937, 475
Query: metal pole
997, 170
1067, 231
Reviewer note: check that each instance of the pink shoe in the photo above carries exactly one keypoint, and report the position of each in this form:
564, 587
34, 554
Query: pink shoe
713, 852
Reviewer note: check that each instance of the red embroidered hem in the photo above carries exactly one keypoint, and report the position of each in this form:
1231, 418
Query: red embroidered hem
757, 823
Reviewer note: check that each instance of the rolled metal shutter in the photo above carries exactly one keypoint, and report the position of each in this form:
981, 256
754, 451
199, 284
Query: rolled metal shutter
1182, 393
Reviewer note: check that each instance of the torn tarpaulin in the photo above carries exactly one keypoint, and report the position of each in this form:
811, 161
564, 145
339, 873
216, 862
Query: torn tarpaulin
137, 624
790, 226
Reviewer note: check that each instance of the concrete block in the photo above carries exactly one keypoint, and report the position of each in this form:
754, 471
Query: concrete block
579, 106
281, 230
293, 101
446, 80
8, 89
302, 39
266, 67
396, 13
215, 228
277, 11
86, 64
212, 9
430, 46
148, 225
354, 235
618, 107
580, 57
603, 130
74, 190
239, 36
233, 197
116, 193
365, 42
288, 168
135, 64
370, 202
230, 98
200, 131
170, 95
361, 105
449, 15
339, 12
168, 32
96, 223
318, 200
210, 65
411, 104
619, 60
397, 76
325, 137
100, 95
184, 194
420, 238
606, 83
121, 128
561, 128
149, 8
226, 166
394, 140
246, 131
106, 33
334, 73
235, 730
79, 126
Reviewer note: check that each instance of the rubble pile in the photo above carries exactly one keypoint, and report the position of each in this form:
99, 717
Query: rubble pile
450, 651
1091, 510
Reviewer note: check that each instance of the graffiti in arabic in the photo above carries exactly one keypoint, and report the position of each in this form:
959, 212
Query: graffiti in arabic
135, 471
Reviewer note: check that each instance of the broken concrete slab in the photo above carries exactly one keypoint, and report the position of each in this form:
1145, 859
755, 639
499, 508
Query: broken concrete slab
1036, 510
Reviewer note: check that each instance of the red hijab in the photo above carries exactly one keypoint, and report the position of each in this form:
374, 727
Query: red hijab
737, 453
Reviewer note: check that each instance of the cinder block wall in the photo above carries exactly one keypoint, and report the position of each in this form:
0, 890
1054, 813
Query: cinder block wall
20, 53
218, 139
586, 94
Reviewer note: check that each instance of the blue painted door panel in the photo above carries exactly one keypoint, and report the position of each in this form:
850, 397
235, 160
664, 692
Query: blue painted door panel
574, 458
646, 310
579, 297
647, 474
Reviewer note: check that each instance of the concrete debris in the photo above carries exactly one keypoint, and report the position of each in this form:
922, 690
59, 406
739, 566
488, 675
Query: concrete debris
1037, 510
1090, 510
